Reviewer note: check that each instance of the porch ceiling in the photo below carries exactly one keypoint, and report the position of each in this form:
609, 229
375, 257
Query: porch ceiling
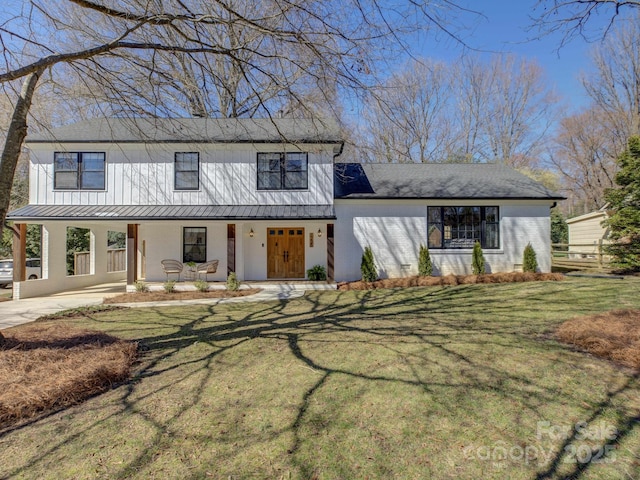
35, 213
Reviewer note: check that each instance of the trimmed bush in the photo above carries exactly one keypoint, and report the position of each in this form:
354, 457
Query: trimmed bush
529, 260
232, 282
169, 286
368, 266
201, 285
141, 287
477, 260
425, 268
317, 273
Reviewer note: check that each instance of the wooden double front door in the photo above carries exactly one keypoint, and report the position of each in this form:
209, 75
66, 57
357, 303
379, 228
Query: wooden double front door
285, 252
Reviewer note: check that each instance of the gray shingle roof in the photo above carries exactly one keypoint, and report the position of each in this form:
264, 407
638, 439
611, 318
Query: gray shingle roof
193, 130
173, 212
436, 181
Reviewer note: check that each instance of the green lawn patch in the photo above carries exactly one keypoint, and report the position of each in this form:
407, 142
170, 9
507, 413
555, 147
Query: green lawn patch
463, 381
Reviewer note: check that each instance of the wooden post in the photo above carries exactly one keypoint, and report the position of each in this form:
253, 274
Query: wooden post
132, 253
330, 253
19, 252
231, 248
600, 254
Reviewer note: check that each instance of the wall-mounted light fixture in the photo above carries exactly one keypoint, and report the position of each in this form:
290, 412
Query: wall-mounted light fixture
251, 232
319, 233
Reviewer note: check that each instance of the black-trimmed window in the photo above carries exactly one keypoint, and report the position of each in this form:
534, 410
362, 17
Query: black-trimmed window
79, 170
194, 244
461, 227
283, 171
186, 168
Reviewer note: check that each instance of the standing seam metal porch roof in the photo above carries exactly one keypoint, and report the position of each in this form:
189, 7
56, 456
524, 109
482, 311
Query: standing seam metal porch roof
172, 212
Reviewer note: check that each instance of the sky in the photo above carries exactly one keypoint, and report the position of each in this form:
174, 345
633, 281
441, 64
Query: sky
503, 28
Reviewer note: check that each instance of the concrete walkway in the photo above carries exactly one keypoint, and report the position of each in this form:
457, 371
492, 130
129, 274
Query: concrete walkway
17, 312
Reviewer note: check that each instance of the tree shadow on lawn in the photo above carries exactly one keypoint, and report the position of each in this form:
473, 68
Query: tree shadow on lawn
450, 348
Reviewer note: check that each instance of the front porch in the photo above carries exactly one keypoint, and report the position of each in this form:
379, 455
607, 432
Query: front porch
272, 250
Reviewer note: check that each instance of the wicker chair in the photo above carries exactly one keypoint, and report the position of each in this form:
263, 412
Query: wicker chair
207, 268
172, 267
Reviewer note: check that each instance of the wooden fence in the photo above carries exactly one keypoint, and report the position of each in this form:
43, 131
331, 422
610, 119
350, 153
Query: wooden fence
579, 256
116, 261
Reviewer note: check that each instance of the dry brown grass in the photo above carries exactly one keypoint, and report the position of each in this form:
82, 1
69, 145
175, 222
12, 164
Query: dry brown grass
451, 280
46, 366
614, 335
164, 296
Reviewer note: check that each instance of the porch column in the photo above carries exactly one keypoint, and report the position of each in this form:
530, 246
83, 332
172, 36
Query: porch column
330, 258
231, 248
19, 252
132, 253
240, 251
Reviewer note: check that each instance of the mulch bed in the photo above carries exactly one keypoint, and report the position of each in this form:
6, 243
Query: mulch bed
164, 296
613, 335
451, 280
45, 367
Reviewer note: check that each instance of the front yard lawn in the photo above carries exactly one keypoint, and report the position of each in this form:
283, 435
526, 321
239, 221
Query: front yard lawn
456, 382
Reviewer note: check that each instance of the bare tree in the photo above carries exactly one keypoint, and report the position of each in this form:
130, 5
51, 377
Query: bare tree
580, 18
517, 113
173, 83
471, 84
287, 43
614, 85
468, 111
406, 119
585, 154
588, 143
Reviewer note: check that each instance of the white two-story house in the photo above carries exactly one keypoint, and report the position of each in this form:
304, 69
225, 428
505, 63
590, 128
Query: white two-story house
268, 199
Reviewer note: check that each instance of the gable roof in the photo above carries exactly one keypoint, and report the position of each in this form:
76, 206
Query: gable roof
436, 181
193, 130
588, 216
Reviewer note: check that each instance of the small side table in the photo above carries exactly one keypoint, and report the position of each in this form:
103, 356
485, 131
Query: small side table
190, 273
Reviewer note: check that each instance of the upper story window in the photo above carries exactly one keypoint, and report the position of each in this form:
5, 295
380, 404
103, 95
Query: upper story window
461, 227
79, 170
187, 171
282, 171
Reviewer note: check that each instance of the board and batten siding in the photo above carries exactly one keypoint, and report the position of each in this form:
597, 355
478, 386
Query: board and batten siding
394, 229
140, 174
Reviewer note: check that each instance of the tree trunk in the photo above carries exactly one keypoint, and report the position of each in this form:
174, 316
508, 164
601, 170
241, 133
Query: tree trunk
13, 146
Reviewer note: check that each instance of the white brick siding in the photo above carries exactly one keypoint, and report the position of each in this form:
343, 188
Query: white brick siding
395, 229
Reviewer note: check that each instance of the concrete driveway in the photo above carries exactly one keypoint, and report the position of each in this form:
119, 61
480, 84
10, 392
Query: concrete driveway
16, 312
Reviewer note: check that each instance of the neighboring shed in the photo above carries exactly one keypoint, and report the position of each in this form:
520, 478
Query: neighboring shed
586, 233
